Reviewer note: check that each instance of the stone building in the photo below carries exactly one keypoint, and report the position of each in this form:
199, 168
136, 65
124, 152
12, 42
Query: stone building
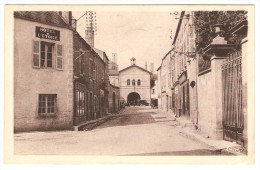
158, 87
165, 83
135, 84
43, 71
90, 81
210, 98
112, 90
113, 73
183, 69
113, 99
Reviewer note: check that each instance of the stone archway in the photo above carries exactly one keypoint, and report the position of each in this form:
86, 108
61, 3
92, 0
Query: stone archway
133, 98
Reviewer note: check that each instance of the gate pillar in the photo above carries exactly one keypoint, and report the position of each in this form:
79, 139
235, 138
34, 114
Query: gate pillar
217, 51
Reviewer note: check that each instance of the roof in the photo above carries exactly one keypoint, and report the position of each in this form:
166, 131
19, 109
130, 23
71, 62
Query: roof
134, 65
178, 27
44, 17
154, 76
175, 37
101, 53
87, 45
113, 86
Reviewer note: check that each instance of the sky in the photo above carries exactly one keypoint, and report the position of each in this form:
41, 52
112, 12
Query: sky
144, 35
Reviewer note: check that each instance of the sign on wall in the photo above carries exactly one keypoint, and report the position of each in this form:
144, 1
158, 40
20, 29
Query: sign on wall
47, 33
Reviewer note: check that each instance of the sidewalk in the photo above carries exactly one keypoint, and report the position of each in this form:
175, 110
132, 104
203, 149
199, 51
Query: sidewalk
188, 130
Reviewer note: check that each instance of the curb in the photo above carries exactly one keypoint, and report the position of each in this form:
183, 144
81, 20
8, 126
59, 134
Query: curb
93, 123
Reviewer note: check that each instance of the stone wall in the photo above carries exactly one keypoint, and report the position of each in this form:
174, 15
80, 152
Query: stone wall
206, 103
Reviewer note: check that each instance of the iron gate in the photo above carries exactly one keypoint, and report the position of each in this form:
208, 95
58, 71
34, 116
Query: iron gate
232, 97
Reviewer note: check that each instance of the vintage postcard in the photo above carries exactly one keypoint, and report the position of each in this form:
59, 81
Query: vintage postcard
129, 84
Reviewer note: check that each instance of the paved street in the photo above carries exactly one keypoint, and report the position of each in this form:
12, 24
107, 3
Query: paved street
135, 131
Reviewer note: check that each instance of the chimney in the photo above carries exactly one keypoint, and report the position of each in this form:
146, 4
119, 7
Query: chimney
151, 67
133, 61
67, 16
114, 58
145, 65
90, 37
74, 24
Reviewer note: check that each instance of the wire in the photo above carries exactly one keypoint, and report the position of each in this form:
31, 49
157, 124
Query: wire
79, 18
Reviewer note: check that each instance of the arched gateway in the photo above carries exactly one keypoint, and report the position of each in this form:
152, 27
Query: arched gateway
133, 98
135, 84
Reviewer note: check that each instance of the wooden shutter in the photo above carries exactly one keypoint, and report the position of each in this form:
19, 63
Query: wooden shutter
36, 54
59, 57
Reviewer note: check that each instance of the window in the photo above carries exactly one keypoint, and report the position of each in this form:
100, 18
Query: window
44, 55
87, 106
153, 91
47, 104
133, 82
138, 82
102, 75
128, 82
47, 55
80, 103
91, 104
95, 104
90, 68
81, 62
94, 71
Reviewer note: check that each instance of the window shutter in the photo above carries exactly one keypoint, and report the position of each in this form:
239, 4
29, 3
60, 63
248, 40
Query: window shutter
59, 57
36, 54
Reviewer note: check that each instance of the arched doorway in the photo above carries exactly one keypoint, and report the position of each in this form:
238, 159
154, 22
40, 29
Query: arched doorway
133, 98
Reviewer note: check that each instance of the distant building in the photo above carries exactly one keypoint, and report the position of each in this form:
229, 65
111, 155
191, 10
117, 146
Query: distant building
43, 71
154, 91
113, 99
165, 76
158, 87
113, 73
113, 92
135, 84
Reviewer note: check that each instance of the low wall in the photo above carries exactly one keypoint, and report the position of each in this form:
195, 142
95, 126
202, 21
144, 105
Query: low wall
206, 103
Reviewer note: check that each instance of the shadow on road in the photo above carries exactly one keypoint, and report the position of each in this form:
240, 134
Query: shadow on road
130, 116
198, 152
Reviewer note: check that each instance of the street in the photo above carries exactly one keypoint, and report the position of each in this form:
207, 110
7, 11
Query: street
135, 131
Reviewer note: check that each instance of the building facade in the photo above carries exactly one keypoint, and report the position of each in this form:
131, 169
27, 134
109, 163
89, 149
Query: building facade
208, 80
113, 73
158, 87
113, 99
90, 82
165, 75
43, 71
183, 69
135, 84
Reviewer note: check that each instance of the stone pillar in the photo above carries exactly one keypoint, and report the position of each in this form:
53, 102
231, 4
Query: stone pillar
216, 62
217, 51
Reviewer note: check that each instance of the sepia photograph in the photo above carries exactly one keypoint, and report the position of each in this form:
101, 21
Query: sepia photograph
130, 81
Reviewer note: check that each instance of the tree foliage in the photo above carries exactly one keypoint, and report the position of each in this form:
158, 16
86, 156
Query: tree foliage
204, 22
